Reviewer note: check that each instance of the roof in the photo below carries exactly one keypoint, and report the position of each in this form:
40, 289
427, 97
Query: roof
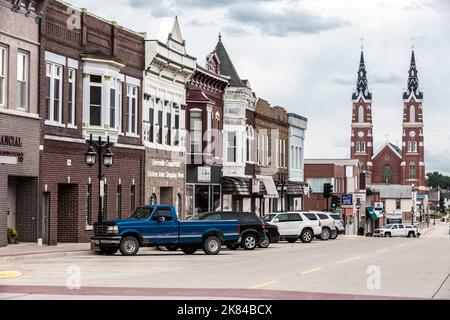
294, 115
338, 162
397, 151
392, 191
226, 65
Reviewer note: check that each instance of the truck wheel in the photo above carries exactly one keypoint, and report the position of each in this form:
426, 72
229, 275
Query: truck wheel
249, 242
172, 248
387, 235
109, 251
212, 245
334, 234
325, 235
307, 236
264, 243
411, 235
129, 246
189, 250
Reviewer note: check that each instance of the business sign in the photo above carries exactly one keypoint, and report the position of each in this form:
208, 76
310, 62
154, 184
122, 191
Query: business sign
256, 185
204, 174
7, 156
379, 206
347, 201
360, 196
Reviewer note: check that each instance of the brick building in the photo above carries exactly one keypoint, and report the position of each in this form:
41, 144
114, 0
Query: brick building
19, 118
168, 70
91, 75
204, 122
272, 132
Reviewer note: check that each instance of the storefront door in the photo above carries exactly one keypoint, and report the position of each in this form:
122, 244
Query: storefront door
11, 204
45, 217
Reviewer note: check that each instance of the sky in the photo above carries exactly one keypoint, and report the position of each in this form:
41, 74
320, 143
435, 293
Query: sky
303, 55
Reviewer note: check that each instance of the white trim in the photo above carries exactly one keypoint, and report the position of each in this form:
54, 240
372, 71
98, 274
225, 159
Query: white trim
54, 124
128, 146
110, 62
55, 58
8, 160
71, 63
64, 139
19, 113
392, 148
133, 81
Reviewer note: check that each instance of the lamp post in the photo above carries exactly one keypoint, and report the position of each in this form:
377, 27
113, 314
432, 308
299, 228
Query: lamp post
100, 152
282, 180
358, 208
413, 204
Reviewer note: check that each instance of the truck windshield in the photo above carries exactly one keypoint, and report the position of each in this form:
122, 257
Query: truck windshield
141, 213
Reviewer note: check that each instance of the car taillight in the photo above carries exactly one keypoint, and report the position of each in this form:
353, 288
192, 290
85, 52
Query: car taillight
262, 226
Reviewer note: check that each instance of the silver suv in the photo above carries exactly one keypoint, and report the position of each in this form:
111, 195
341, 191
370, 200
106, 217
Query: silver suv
326, 222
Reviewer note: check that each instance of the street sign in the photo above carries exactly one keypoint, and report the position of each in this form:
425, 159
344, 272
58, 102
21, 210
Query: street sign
360, 196
379, 206
347, 201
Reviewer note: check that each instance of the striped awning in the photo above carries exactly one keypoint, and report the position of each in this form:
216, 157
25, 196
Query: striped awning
236, 186
271, 188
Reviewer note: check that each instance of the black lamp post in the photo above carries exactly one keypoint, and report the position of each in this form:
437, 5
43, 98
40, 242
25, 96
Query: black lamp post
282, 180
101, 151
358, 208
413, 211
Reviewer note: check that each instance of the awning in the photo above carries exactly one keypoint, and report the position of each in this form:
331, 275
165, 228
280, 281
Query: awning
236, 186
294, 188
371, 213
271, 188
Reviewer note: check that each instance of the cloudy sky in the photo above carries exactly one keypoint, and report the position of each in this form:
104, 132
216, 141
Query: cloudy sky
304, 54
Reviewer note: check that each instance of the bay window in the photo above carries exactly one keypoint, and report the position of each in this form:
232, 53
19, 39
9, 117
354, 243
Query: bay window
95, 103
72, 91
53, 92
22, 81
3, 69
112, 107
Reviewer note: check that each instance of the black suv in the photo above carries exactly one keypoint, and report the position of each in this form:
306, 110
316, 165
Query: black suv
252, 227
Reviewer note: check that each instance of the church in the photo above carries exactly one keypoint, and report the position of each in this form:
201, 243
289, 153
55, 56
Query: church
392, 164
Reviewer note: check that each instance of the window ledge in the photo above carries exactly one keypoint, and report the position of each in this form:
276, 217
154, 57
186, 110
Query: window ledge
132, 135
54, 124
89, 228
69, 126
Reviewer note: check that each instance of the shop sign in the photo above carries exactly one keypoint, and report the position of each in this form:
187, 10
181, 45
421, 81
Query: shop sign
378, 206
204, 174
11, 141
166, 163
347, 201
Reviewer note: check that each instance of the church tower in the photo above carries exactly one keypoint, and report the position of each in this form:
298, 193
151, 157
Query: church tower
362, 135
413, 158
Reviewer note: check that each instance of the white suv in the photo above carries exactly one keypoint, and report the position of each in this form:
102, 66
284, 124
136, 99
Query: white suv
326, 222
397, 230
294, 225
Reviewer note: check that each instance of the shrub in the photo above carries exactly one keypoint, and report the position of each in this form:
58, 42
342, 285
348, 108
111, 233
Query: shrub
12, 233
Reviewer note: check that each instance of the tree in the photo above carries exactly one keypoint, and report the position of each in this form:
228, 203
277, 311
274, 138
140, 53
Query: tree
436, 179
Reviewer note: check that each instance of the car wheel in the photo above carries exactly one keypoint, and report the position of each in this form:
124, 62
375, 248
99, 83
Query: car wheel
109, 251
189, 249
307, 236
334, 234
264, 243
129, 246
411, 235
249, 242
387, 235
212, 245
172, 248
292, 240
233, 247
325, 235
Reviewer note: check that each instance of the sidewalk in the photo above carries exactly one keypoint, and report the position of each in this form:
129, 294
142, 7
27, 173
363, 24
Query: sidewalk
30, 250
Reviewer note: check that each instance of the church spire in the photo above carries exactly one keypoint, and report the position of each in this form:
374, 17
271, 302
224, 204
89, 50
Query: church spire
413, 80
362, 85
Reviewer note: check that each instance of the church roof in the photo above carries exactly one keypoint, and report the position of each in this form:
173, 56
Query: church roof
362, 85
397, 151
413, 80
226, 65
392, 191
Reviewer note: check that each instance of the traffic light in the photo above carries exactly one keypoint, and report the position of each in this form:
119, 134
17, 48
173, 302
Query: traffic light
335, 201
327, 190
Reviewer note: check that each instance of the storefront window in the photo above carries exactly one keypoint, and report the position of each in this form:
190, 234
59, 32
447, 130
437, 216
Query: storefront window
189, 200
196, 131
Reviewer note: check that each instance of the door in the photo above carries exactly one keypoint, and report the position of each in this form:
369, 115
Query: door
162, 229
45, 217
11, 205
295, 222
283, 225
395, 230
401, 230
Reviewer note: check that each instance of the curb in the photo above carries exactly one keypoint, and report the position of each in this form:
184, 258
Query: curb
31, 256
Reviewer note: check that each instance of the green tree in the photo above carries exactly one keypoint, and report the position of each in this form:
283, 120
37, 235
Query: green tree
437, 179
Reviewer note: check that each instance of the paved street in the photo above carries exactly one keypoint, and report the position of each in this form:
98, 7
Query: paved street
408, 268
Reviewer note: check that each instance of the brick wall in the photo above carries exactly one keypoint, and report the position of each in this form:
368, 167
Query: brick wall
3, 216
67, 213
27, 209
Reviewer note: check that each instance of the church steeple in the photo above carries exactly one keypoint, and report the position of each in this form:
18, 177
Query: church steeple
413, 80
362, 85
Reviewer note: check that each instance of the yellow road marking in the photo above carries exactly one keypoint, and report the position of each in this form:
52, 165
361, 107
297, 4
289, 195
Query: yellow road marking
266, 284
348, 260
381, 251
311, 271
9, 274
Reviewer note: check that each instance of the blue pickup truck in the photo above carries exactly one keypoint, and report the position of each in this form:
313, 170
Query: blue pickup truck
158, 225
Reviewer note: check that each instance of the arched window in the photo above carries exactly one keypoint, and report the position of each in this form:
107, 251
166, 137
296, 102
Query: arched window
412, 170
153, 199
387, 174
361, 114
358, 146
414, 146
412, 114
363, 146
409, 146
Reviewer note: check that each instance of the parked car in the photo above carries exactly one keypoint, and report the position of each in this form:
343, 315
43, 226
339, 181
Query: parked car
252, 228
397, 230
272, 235
326, 222
158, 225
339, 222
294, 225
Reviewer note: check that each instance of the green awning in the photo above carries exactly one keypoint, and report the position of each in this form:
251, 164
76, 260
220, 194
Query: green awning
372, 213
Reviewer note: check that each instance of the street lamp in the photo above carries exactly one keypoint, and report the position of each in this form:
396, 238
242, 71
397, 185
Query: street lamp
413, 207
282, 180
358, 208
100, 152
